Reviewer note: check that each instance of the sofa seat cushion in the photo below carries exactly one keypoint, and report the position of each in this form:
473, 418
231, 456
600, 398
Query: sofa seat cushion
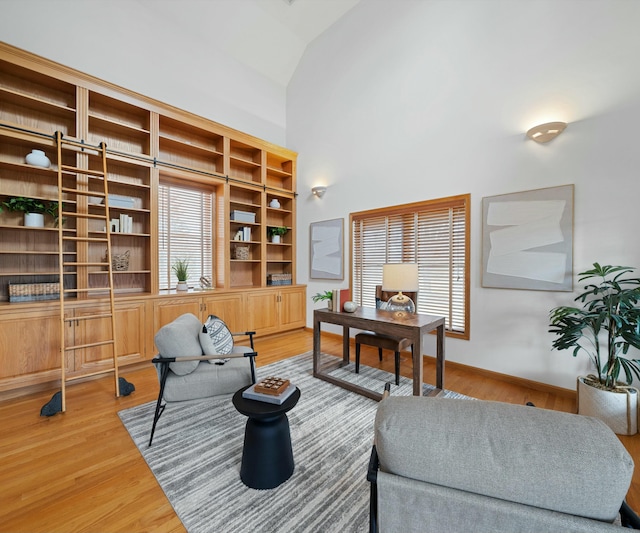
208, 380
180, 338
557, 461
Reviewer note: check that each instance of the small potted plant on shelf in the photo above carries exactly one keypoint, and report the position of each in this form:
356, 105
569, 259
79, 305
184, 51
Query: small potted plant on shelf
275, 232
605, 327
181, 270
326, 295
32, 208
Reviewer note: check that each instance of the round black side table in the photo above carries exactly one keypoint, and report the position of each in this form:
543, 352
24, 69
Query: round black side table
267, 457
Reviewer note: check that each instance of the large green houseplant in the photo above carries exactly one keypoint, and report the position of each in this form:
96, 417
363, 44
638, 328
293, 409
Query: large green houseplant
604, 327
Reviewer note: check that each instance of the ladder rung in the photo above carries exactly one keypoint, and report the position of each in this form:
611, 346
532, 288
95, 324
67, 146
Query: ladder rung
89, 289
82, 170
88, 345
68, 214
96, 373
84, 193
86, 239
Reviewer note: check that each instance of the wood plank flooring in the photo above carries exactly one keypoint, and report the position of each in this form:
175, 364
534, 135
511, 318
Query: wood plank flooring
80, 471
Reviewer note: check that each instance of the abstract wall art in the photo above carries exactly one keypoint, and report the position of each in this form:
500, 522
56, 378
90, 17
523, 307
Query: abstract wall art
527, 240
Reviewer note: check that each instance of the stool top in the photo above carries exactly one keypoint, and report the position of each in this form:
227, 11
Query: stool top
258, 409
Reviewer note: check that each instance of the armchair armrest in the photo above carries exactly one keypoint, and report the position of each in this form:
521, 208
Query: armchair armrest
164, 360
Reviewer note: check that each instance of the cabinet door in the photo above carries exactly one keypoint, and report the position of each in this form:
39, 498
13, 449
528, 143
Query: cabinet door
30, 348
292, 308
228, 307
168, 309
130, 342
262, 311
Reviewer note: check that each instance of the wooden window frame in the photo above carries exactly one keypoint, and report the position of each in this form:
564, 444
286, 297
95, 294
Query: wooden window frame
407, 211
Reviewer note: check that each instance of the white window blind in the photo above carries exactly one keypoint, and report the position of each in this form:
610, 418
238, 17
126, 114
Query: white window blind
185, 231
433, 234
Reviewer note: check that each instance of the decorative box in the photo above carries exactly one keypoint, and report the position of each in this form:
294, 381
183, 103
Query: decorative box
243, 216
241, 252
279, 279
30, 292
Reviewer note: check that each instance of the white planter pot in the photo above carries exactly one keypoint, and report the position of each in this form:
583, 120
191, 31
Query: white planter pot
619, 410
182, 286
34, 220
275, 239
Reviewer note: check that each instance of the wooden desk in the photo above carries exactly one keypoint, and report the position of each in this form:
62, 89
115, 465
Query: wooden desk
412, 326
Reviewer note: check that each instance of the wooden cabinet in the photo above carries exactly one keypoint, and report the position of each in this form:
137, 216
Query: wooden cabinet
146, 141
30, 342
30, 347
272, 311
131, 322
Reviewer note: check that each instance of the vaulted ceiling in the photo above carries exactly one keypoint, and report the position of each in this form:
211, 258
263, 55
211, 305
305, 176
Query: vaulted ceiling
269, 36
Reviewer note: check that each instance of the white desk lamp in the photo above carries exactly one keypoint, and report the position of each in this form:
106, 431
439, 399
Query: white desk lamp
398, 277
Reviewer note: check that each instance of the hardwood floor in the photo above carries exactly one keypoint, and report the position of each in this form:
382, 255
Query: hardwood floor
80, 471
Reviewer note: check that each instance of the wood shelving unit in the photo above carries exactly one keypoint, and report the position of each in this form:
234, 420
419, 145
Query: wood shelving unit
147, 141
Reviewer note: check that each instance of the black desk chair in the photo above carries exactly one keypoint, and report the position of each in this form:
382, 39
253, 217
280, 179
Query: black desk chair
385, 342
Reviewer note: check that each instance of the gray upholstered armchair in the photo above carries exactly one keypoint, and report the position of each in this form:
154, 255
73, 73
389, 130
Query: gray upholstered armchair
198, 360
445, 465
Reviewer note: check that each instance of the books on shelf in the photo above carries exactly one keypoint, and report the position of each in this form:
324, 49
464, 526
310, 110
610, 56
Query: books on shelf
124, 224
277, 399
339, 297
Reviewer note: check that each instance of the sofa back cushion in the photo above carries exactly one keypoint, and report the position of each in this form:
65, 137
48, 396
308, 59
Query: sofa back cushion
180, 339
547, 459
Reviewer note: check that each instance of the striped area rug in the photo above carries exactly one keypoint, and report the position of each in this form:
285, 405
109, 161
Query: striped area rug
197, 450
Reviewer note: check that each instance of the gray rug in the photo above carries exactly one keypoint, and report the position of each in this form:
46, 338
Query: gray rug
197, 450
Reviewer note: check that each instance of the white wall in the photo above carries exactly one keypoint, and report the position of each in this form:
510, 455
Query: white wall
415, 99
159, 48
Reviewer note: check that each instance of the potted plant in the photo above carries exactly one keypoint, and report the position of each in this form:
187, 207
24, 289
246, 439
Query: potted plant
181, 270
32, 208
327, 295
605, 327
275, 232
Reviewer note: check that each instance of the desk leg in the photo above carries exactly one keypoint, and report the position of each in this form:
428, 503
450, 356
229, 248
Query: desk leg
418, 369
440, 358
345, 345
316, 346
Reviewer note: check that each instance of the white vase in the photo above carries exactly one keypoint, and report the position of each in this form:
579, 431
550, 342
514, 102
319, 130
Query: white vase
275, 239
275, 203
182, 286
34, 220
619, 410
37, 158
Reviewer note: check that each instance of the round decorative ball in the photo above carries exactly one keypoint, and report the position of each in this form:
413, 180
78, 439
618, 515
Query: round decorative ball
38, 158
350, 307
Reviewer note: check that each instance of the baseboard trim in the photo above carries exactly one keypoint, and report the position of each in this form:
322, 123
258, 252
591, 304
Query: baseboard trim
506, 378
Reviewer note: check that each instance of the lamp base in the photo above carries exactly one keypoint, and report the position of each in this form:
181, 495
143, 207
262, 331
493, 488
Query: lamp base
401, 305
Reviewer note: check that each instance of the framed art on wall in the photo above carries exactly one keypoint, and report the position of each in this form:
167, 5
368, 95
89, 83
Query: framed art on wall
326, 249
527, 240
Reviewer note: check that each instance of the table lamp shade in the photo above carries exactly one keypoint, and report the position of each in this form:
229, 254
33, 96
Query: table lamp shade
400, 277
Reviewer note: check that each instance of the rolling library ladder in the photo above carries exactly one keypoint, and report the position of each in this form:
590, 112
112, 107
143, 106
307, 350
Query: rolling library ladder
92, 187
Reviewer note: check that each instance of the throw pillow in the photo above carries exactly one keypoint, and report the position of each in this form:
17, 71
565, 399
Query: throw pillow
219, 341
180, 339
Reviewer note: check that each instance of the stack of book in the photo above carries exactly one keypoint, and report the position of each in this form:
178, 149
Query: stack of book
271, 390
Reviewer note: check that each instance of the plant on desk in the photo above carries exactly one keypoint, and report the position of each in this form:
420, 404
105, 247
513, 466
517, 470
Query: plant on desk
326, 295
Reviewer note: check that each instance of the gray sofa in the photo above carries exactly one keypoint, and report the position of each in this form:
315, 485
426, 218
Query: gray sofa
449, 465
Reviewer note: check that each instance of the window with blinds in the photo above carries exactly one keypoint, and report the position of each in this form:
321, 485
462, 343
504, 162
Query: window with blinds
185, 231
434, 234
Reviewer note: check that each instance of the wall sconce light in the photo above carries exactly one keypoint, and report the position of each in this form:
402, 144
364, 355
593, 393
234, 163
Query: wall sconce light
543, 133
319, 190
